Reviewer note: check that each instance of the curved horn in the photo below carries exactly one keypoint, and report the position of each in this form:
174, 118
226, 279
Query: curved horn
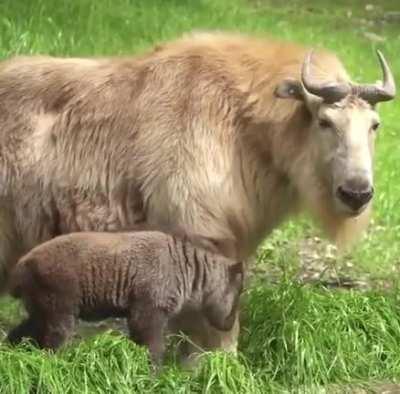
330, 92
375, 93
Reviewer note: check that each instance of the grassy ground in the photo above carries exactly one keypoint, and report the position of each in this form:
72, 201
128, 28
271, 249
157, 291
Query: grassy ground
304, 338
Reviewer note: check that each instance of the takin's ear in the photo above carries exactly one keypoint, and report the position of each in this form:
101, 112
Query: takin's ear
290, 88
236, 269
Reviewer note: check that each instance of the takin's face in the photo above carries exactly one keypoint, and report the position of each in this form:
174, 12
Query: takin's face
343, 129
344, 133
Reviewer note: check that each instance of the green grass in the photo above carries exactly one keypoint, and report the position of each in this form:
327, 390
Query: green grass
294, 338
307, 335
303, 338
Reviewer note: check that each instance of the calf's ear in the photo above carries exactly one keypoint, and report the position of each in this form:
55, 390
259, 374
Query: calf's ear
236, 269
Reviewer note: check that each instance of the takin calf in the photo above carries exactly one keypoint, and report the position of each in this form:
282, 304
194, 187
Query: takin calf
146, 276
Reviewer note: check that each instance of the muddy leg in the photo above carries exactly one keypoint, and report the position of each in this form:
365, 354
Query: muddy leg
146, 327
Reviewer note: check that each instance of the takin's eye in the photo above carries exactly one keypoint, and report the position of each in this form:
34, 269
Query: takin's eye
325, 124
375, 126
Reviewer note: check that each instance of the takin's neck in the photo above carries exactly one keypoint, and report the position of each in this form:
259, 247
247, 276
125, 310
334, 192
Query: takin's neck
266, 155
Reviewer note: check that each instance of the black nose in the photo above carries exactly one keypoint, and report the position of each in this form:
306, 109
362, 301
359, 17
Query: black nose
355, 194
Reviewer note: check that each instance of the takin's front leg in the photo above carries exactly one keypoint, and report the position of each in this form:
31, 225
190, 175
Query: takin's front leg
11, 248
146, 327
202, 337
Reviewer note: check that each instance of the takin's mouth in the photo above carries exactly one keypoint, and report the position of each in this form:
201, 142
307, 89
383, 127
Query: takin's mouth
347, 211
355, 213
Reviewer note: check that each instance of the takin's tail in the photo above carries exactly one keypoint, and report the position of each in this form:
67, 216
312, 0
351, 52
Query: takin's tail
20, 276
23, 276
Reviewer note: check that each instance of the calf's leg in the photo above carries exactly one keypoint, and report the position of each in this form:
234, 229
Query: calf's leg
146, 327
56, 329
28, 328
56, 314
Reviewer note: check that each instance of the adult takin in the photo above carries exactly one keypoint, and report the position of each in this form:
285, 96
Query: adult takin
146, 276
224, 134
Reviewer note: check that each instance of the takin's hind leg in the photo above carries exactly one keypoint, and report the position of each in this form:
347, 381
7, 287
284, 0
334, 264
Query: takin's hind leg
146, 327
57, 328
56, 314
28, 329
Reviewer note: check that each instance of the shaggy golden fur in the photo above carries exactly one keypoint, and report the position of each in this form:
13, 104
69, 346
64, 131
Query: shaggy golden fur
189, 134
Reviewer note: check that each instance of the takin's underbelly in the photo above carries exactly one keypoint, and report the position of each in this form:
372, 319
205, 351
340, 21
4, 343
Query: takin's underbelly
100, 312
43, 216
78, 211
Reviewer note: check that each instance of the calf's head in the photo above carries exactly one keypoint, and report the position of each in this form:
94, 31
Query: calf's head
221, 303
344, 123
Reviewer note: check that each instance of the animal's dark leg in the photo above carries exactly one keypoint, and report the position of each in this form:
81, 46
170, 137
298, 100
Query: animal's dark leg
56, 329
27, 329
56, 310
146, 327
